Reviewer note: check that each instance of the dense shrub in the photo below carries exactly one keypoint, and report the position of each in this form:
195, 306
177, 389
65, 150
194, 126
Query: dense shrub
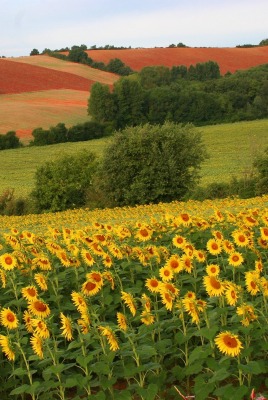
63, 184
151, 163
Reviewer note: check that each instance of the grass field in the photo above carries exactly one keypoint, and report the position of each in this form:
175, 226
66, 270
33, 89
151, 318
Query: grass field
232, 149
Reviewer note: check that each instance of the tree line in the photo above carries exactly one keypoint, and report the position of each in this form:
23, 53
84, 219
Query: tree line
78, 54
197, 94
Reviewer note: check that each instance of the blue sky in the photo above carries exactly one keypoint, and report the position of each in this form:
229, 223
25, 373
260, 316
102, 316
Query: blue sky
28, 24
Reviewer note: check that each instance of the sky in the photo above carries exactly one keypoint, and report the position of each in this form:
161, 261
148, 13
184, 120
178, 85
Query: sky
55, 24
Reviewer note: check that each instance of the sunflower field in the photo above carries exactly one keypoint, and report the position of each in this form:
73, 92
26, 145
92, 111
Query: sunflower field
162, 301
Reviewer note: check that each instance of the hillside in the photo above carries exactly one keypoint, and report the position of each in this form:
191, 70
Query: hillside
229, 59
43, 91
221, 141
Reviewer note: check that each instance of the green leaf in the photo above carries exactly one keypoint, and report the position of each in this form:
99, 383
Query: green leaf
198, 354
225, 392
19, 372
252, 367
219, 375
124, 395
20, 390
84, 361
33, 387
208, 333
100, 367
97, 396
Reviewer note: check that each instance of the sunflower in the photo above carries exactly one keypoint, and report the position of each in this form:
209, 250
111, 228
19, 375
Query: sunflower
190, 306
166, 273
174, 263
247, 312
37, 345
200, 256
109, 277
264, 286
79, 301
109, 334
121, 321
218, 235
8, 261
184, 219
264, 233
115, 251
107, 260
179, 241
64, 259
3, 278
6, 347
228, 246
262, 242
66, 327
8, 318
144, 233
147, 318
214, 247
240, 238
28, 321
153, 285
249, 221
190, 295
258, 266
187, 263
95, 276
97, 249
252, 279
29, 293
87, 257
232, 294
146, 302
40, 279
43, 263
39, 308
129, 301
90, 288
84, 327
41, 328
214, 286
228, 343
219, 216
169, 287
235, 259
167, 299
213, 270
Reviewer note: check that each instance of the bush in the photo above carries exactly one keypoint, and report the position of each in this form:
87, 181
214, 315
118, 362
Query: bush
151, 163
261, 164
63, 184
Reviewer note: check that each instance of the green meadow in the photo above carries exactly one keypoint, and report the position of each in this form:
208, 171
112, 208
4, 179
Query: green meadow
232, 149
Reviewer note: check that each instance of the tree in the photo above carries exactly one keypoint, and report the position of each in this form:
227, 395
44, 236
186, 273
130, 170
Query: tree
34, 52
261, 164
263, 42
101, 103
63, 184
118, 67
151, 163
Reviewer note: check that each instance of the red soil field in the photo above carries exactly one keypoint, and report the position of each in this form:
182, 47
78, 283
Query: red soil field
19, 77
228, 59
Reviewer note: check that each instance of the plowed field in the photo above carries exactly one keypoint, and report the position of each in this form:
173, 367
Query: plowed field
229, 59
19, 77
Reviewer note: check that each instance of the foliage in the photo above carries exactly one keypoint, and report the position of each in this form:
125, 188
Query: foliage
63, 184
34, 52
60, 134
261, 163
151, 163
116, 305
197, 94
9, 141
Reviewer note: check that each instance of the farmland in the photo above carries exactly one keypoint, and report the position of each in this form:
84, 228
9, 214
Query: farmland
220, 140
229, 59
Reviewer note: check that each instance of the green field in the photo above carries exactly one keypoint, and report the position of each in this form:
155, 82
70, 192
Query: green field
232, 149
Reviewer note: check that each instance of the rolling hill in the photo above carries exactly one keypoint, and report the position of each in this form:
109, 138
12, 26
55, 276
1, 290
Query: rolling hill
43, 91
229, 59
